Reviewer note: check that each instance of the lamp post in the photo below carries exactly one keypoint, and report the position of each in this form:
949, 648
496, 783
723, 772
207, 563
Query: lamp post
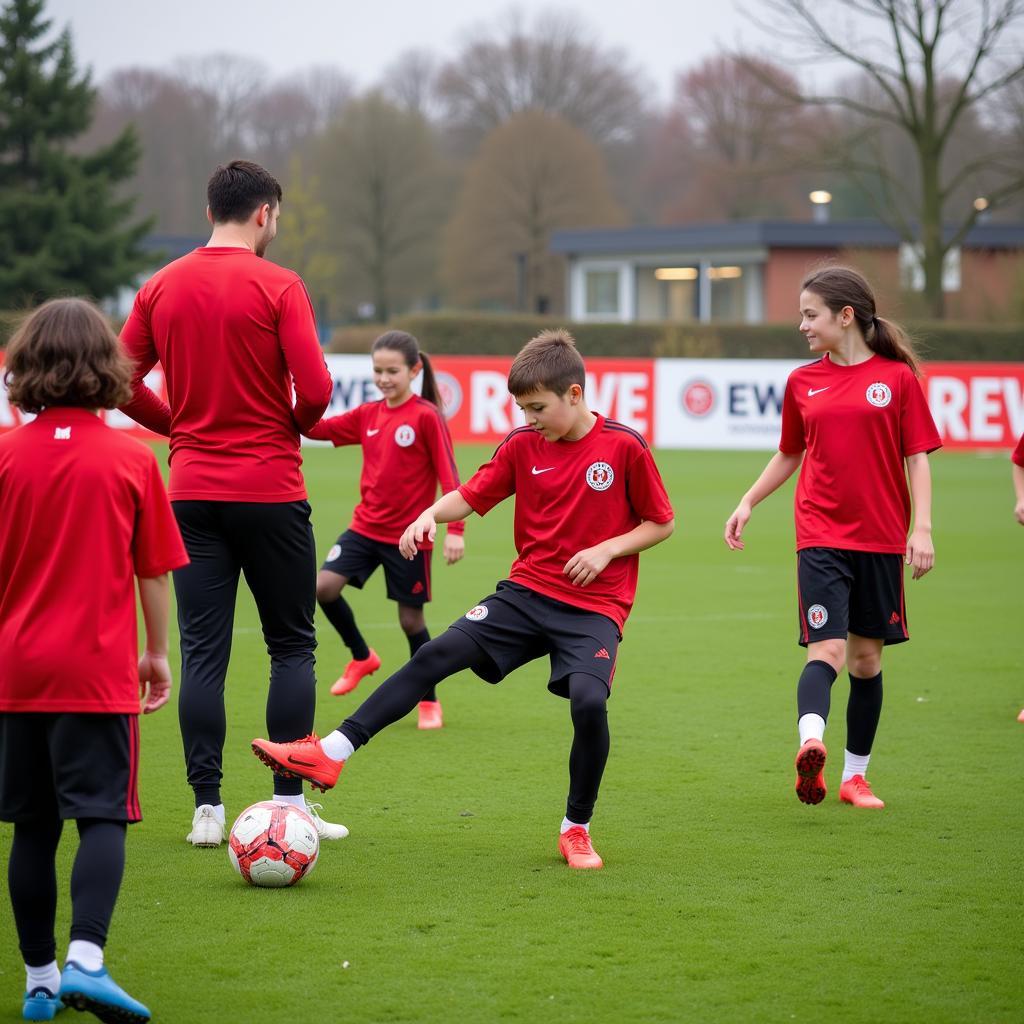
981, 205
820, 202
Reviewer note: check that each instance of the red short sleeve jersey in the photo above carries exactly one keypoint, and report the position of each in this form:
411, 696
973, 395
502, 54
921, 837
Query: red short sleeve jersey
1018, 452
571, 495
85, 512
407, 452
857, 425
233, 333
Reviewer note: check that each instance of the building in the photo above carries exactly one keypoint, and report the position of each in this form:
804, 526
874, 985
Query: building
748, 271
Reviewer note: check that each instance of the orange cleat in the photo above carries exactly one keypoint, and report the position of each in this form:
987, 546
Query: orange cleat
575, 846
300, 759
857, 791
354, 673
810, 774
430, 716
1020, 717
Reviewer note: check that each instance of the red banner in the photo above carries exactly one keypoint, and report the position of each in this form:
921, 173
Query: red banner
977, 405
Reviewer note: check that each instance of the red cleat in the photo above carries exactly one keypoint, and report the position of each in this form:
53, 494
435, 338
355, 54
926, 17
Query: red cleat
810, 775
354, 673
300, 759
1020, 717
430, 715
575, 846
857, 791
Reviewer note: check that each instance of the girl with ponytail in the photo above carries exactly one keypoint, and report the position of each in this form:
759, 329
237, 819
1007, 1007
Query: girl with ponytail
407, 452
857, 426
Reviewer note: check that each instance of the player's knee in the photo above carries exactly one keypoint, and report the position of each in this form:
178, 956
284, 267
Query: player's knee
866, 665
588, 707
328, 588
831, 651
411, 620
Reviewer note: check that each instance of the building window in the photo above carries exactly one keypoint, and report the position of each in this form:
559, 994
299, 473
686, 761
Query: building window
601, 292
667, 293
912, 270
728, 293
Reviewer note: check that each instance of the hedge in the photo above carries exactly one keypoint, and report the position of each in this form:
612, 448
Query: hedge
479, 334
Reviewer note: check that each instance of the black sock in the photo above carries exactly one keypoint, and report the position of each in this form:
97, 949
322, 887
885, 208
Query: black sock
416, 641
863, 710
814, 690
588, 698
340, 616
443, 656
96, 877
32, 883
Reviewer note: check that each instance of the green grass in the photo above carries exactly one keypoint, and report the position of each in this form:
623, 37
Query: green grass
723, 898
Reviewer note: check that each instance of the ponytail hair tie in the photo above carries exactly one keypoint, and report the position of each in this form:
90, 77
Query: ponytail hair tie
874, 321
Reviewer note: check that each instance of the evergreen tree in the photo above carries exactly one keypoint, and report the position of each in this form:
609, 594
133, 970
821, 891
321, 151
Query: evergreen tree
62, 224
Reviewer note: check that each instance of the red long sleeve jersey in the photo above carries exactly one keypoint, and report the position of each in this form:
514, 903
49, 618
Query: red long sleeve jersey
572, 495
233, 333
857, 424
407, 451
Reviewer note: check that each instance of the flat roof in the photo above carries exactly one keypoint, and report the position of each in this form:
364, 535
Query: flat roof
774, 234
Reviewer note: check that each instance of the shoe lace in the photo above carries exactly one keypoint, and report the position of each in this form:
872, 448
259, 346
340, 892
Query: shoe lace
579, 840
314, 811
861, 785
311, 740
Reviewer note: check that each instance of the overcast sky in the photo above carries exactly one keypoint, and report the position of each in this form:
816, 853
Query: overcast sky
660, 36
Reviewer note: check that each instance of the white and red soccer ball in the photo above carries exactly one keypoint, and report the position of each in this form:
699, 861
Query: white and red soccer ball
273, 844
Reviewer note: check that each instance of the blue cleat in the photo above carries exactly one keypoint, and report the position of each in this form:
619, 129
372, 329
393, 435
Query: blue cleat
97, 992
41, 1004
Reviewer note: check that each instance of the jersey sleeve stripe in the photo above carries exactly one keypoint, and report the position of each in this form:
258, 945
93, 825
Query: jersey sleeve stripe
518, 430
615, 425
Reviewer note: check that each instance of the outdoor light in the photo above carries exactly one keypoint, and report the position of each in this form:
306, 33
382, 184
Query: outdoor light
820, 198
676, 273
981, 204
725, 273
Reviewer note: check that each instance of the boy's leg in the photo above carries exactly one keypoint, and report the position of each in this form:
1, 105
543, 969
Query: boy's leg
278, 555
414, 625
95, 882
205, 589
338, 612
320, 762
588, 700
32, 883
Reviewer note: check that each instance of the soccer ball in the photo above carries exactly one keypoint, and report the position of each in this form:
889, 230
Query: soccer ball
273, 844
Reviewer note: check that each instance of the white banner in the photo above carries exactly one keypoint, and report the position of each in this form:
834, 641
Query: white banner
720, 403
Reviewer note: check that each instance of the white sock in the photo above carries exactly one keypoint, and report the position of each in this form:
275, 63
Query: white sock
296, 800
854, 764
812, 727
47, 976
337, 746
218, 812
567, 824
86, 954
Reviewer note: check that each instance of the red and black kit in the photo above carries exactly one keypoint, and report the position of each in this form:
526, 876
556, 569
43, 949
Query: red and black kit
855, 426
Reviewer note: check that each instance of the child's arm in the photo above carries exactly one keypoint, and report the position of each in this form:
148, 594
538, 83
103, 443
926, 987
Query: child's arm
781, 466
585, 566
442, 455
920, 550
339, 430
154, 670
446, 509
1018, 487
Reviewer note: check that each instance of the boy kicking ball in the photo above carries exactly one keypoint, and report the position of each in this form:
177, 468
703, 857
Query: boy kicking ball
589, 499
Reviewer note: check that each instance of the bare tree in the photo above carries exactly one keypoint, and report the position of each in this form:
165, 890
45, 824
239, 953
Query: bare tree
932, 65
232, 85
555, 65
536, 173
410, 81
326, 89
384, 188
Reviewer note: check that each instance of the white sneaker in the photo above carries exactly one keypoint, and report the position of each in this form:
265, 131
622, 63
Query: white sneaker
206, 829
325, 829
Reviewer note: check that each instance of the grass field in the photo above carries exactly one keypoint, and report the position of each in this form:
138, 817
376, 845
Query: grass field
723, 898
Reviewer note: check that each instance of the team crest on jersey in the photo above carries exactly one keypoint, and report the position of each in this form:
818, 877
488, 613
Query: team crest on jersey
404, 436
879, 394
477, 614
334, 552
817, 616
600, 476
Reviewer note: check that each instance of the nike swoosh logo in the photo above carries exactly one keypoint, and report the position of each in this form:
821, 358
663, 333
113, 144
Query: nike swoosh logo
537, 472
370, 433
811, 392
304, 764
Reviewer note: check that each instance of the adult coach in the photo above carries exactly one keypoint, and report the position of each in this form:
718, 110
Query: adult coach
234, 333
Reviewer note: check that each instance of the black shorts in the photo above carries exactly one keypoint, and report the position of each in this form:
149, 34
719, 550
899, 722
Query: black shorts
843, 592
69, 764
515, 625
356, 558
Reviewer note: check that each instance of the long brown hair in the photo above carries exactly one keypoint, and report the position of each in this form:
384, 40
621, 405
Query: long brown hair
409, 348
66, 354
842, 286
